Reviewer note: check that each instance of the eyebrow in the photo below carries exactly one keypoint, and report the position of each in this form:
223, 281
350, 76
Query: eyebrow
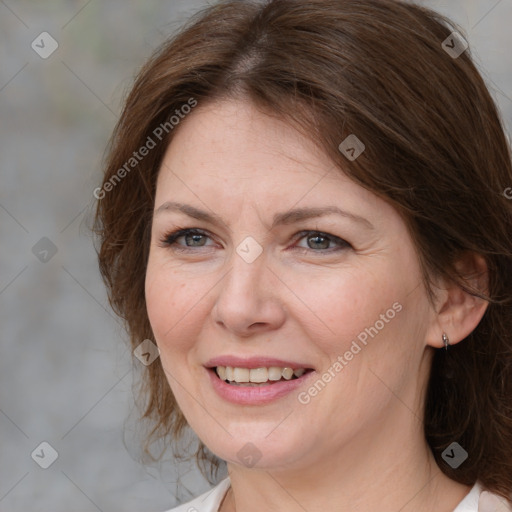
282, 218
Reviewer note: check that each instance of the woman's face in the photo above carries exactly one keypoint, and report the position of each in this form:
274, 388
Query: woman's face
258, 286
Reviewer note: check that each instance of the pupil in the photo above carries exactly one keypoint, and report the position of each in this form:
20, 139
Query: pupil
318, 237
195, 237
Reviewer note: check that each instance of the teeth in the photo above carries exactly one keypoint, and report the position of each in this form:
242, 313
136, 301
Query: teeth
221, 372
257, 375
274, 373
241, 374
287, 373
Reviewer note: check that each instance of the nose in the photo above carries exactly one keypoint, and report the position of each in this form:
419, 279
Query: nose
249, 298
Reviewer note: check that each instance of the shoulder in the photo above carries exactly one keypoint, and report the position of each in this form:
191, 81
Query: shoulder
481, 500
478, 500
206, 502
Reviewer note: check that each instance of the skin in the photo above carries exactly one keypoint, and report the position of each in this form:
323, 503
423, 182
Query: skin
359, 443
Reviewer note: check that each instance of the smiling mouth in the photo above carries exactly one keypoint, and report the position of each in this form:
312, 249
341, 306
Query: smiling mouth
237, 376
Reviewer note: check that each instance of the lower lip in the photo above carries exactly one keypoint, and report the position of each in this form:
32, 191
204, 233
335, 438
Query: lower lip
255, 395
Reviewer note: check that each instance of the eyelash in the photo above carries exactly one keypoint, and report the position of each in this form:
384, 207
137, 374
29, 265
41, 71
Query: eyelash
169, 240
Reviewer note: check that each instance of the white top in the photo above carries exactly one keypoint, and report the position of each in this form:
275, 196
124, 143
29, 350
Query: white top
473, 502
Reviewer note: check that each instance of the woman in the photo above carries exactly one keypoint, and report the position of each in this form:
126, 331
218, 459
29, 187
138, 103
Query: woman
303, 207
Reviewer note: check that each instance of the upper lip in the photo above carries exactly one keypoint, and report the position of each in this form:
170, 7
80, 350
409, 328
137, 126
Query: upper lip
254, 362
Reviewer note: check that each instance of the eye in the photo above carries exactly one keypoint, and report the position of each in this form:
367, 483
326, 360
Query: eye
320, 242
192, 238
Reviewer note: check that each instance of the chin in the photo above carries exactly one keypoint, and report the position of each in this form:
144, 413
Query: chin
256, 451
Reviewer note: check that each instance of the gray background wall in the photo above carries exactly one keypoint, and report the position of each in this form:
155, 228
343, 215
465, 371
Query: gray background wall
65, 369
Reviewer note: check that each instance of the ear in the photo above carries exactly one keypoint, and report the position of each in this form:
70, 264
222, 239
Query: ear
457, 313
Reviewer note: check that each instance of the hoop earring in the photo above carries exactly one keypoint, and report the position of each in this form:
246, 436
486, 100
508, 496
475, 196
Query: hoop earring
446, 341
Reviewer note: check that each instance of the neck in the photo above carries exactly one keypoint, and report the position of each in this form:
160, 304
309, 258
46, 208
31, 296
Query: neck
377, 471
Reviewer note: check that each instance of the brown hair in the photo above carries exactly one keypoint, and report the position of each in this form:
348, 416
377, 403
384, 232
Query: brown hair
435, 150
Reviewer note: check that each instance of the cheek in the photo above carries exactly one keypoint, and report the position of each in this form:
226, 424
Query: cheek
374, 321
170, 302
345, 303
173, 305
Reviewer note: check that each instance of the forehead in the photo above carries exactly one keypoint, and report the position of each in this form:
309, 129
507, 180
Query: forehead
229, 155
232, 143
